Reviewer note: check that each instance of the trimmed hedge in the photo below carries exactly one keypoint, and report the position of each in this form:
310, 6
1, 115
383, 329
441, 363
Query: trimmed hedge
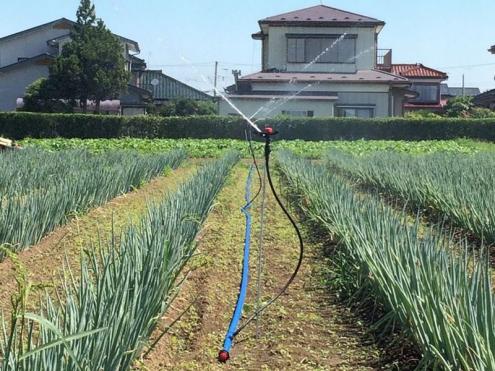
21, 125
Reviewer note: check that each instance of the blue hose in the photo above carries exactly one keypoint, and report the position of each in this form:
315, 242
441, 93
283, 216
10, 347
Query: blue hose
229, 337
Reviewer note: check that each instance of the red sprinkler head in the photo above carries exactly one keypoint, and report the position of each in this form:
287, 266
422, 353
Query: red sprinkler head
269, 131
223, 356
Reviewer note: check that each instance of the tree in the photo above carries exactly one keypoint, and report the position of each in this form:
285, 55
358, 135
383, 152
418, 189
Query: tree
185, 107
39, 98
92, 65
459, 107
421, 114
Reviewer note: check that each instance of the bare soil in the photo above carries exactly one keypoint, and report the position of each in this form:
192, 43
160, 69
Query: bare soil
307, 329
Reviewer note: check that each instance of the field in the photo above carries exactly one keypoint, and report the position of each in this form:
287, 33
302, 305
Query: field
127, 254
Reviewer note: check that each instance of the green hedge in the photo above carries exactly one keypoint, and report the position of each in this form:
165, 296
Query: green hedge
22, 125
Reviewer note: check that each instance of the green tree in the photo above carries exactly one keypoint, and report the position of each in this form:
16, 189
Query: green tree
185, 107
92, 65
459, 107
482, 113
421, 114
39, 98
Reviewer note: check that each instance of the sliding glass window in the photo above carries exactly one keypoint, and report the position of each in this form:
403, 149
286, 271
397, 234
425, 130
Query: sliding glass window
321, 49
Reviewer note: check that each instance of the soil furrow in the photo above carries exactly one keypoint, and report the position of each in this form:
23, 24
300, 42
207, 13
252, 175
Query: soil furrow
306, 329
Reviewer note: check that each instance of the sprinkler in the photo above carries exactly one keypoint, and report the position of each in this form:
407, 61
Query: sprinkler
234, 327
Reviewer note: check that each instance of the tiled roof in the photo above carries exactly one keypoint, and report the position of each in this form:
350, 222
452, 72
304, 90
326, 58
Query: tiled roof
291, 97
366, 76
416, 70
321, 14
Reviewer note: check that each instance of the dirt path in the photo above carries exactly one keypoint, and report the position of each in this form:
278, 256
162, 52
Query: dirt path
45, 261
306, 329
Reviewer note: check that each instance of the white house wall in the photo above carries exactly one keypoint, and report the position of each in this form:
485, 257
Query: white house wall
28, 45
275, 108
379, 100
13, 84
315, 86
365, 49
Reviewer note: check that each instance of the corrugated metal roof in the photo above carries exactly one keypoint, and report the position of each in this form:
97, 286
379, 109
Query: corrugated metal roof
168, 88
321, 14
364, 76
469, 92
417, 70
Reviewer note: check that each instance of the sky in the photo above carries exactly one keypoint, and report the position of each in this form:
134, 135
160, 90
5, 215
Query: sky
184, 38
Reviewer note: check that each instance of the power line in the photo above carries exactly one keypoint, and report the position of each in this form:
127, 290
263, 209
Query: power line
469, 66
204, 64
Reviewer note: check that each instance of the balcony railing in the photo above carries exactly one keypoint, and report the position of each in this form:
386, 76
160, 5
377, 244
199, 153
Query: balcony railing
384, 57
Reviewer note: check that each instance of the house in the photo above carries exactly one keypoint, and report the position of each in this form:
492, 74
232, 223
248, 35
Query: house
487, 98
26, 56
319, 61
449, 92
426, 83
165, 88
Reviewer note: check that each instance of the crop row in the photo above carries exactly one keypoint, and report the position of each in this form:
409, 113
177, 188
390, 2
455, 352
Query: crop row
443, 301
457, 187
216, 147
102, 320
40, 189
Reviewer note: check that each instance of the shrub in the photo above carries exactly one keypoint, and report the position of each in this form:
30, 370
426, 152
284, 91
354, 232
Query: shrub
22, 125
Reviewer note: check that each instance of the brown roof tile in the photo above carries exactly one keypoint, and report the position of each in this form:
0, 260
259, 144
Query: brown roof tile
321, 14
365, 76
416, 70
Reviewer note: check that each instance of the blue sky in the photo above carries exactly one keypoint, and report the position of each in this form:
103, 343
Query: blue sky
450, 35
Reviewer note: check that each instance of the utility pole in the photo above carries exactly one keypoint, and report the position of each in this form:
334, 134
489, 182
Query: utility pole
463, 89
236, 74
216, 77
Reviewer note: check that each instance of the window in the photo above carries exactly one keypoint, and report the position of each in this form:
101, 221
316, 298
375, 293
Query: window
356, 111
428, 93
299, 113
321, 49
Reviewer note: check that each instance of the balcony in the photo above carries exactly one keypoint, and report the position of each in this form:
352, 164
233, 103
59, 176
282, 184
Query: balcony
384, 58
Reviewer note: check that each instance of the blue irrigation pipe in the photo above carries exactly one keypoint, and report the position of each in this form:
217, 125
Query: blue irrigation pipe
229, 337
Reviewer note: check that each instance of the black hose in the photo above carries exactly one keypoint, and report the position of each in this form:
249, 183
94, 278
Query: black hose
296, 228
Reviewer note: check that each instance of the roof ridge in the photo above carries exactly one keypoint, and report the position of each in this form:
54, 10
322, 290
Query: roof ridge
389, 73
364, 17
29, 59
346, 11
35, 28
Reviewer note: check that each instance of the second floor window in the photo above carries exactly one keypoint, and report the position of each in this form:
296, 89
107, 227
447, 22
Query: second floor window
321, 49
298, 113
428, 93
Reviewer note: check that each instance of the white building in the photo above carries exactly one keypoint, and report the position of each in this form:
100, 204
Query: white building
26, 56
319, 61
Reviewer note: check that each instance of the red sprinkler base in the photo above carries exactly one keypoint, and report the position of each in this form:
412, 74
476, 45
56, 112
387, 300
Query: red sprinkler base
223, 356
